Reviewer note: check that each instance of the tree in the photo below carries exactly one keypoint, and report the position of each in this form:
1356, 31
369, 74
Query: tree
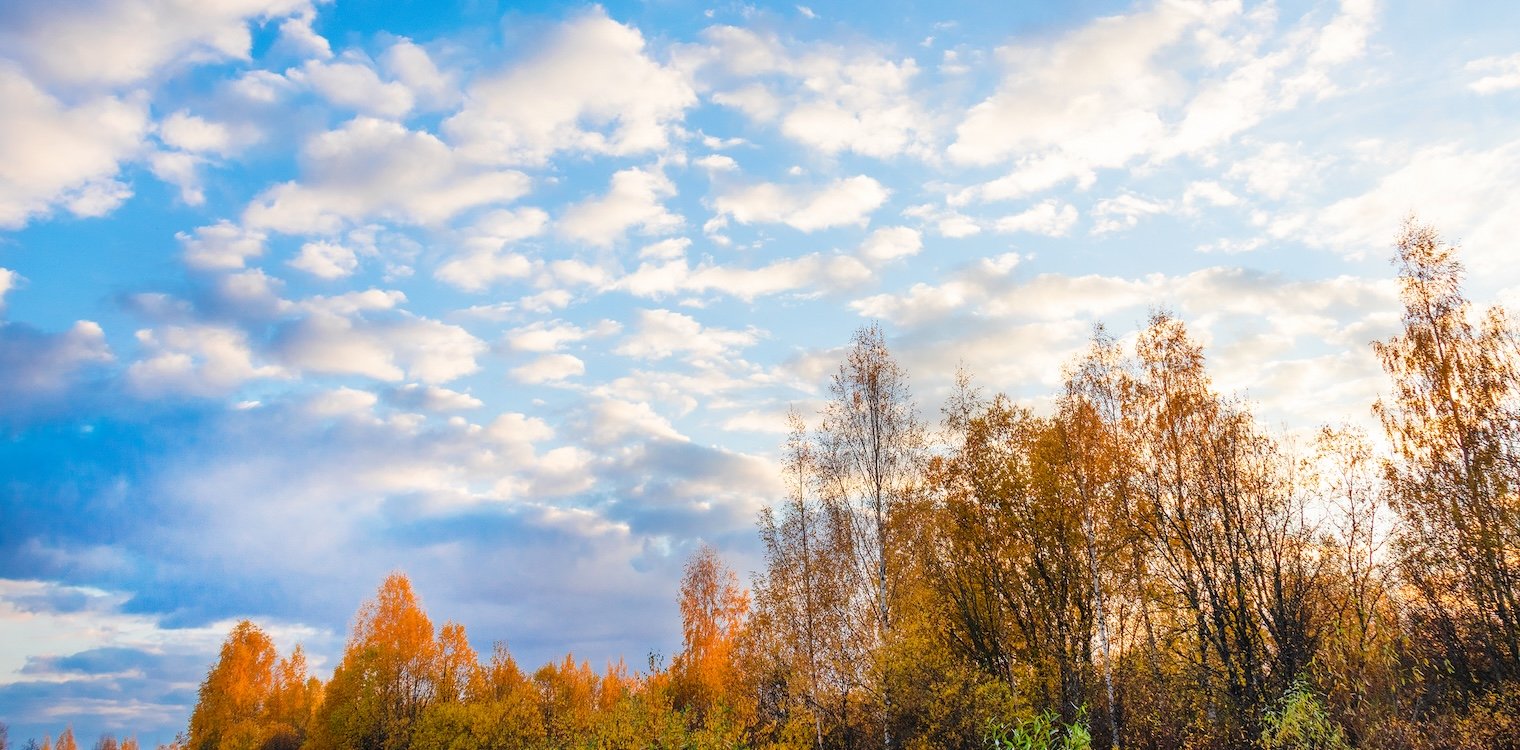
801, 600
871, 455
1454, 473
66, 740
234, 701
713, 610
387, 677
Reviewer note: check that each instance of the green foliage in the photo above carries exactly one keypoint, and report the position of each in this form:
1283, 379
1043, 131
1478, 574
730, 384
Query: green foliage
1301, 723
1043, 731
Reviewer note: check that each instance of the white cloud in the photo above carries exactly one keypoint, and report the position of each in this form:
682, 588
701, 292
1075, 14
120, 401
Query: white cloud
373, 168
891, 243
220, 246
8, 281
815, 271
410, 64
591, 88
1112, 95
200, 360
947, 221
298, 38
847, 201
336, 338
553, 335
1467, 193
1275, 170
34, 363
610, 421
187, 132
1207, 192
55, 155
828, 98
179, 169
632, 200
550, 368
1090, 97
658, 334
483, 258
325, 260
352, 84
717, 163
1495, 74
124, 41
1124, 211
1051, 218
431, 398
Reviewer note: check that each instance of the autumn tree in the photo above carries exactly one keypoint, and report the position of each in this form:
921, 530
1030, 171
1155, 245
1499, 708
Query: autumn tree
801, 601
388, 675
1356, 662
713, 612
871, 454
251, 698
1013, 563
1454, 471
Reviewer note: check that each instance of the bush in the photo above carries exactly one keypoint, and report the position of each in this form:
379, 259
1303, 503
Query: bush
1301, 723
1042, 732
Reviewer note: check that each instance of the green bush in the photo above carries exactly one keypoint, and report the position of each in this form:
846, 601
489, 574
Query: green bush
1042, 732
1301, 723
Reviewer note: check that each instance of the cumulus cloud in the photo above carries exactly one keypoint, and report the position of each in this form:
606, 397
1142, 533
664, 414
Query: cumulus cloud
411, 65
848, 201
371, 168
1110, 95
220, 246
1495, 74
590, 88
8, 281
812, 274
1087, 100
1124, 211
1275, 170
1467, 192
550, 368
129, 40
658, 334
891, 243
194, 361
188, 132
387, 348
826, 97
947, 222
55, 155
37, 365
1051, 218
553, 335
431, 398
483, 257
352, 83
325, 260
632, 200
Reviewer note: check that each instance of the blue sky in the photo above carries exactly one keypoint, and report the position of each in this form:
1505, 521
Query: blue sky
514, 298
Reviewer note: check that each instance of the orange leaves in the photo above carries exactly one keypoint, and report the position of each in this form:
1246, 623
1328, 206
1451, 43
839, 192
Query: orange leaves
713, 610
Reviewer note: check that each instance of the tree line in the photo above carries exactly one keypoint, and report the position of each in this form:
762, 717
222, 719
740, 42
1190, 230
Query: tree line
1144, 566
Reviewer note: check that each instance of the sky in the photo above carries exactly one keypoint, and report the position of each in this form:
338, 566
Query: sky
513, 298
